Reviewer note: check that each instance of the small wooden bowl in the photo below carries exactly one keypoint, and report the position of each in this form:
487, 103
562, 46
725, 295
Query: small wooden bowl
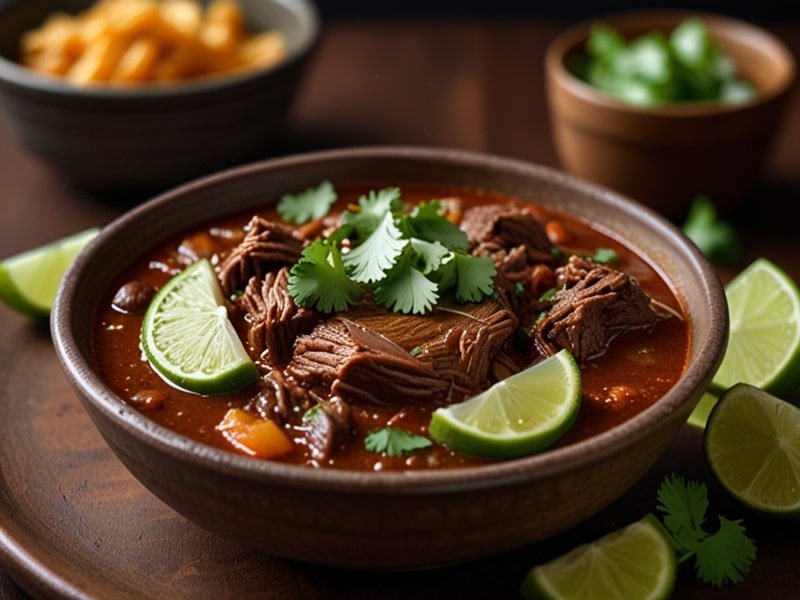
664, 156
138, 138
381, 520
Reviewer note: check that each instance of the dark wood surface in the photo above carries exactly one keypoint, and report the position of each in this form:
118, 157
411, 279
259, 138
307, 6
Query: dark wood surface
80, 521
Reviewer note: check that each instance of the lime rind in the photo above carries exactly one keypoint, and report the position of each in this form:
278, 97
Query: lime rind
752, 444
635, 563
188, 338
29, 281
764, 343
520, 415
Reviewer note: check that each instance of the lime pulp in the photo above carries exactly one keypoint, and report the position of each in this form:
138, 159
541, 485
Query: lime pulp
520, 415
635, 563
29, 281
764, 343
752, 444
188, 338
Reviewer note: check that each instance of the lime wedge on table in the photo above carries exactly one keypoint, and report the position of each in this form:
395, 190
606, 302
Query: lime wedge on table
188, 338
517, 416
635, 563
752, 444
764, 343
29, 281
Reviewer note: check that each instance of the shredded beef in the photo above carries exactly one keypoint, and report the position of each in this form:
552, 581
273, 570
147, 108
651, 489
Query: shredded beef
134, 297
340, 357
266, 247
596, 304
462, 356
273, 319
330, 428
507, 226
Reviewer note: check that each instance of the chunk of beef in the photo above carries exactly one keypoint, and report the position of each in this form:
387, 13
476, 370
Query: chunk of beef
463, 356
330, 428
596, 304
515, 266
273, 319
266, 247
340, 357
507, 226
134, 297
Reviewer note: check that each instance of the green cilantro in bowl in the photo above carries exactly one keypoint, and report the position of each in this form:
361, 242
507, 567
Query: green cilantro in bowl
685, 66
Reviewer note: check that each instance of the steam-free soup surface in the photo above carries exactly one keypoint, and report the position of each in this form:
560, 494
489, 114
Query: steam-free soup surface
637, 369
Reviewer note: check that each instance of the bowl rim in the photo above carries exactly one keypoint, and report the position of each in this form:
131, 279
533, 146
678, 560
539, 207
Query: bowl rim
539, 466
14, 73
577, 34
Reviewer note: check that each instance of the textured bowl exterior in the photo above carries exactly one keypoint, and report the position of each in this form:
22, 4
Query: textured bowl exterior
149, 137
387, 520
665, 156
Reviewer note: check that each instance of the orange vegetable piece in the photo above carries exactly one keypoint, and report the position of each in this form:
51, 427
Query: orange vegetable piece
254, 436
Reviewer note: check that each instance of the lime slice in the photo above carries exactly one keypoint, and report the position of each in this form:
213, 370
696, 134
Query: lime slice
700, 413
635, 563
188, 338
764, 343
752, 444
517, 416
29, 281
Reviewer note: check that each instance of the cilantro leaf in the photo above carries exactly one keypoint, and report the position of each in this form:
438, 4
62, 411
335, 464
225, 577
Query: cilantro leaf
720, 558
406, 289
604, 256
651, 69
318, 280
716, 239
394, 441
725, 556
426, 223
428, 255
373, 207
371, 260
312, 204
312, 413
472, 276
685, 507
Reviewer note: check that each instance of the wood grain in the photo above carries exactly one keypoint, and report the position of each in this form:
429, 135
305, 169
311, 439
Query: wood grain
471, 85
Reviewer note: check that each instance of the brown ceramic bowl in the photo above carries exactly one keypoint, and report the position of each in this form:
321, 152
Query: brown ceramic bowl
371, 519
665, 156
152, 136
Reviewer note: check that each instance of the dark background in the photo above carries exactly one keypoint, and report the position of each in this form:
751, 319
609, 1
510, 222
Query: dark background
753, 9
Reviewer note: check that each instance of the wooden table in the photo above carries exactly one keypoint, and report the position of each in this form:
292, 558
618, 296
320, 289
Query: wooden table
463, 84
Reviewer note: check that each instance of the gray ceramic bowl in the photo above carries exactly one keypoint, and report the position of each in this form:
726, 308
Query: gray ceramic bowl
107, 139
386, 520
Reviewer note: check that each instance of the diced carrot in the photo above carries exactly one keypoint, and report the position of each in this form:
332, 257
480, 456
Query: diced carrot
257, 437
558, 233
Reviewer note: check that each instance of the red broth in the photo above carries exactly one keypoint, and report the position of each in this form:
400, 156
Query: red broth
638, 368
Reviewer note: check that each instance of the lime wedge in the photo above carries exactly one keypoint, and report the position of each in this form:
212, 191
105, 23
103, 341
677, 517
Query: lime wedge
764, 343
29, 281
752, 444
635, 563
188, 338
700, 413
517, 416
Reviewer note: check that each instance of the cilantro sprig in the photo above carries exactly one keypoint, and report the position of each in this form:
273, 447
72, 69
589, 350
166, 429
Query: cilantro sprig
312, 204
717, 239
686, 66
318, 280
409, 260
721, 557
394, 442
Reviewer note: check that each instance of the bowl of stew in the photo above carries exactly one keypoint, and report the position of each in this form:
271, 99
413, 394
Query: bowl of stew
329, 499
131, 98
664, 154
